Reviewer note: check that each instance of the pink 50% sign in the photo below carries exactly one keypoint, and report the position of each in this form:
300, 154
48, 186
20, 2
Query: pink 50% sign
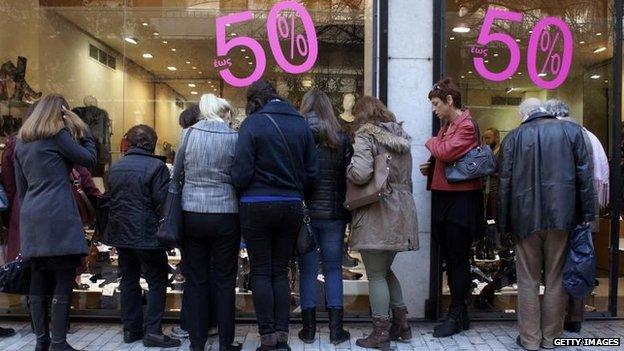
278, 27
556, 49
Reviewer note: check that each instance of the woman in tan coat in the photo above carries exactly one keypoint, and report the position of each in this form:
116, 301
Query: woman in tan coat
382, 229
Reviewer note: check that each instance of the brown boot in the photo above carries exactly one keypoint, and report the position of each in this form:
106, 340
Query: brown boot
380, 337
400, 329
267, 342
282, 341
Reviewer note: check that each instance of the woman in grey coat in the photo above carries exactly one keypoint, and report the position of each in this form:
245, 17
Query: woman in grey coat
51, 141
211, 225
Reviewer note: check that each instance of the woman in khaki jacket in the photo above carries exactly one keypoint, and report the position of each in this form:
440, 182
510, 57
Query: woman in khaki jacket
382, 229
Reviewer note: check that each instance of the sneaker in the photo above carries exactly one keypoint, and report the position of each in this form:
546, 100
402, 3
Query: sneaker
179, 333
162, 341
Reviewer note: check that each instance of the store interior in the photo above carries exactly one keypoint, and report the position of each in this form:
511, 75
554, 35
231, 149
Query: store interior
144, 62
588, 90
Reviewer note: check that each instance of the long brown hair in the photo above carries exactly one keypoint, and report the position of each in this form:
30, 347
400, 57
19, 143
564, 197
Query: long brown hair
371, 110
318, 102
50, 116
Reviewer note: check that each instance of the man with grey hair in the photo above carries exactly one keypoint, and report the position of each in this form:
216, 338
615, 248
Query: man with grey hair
545, 190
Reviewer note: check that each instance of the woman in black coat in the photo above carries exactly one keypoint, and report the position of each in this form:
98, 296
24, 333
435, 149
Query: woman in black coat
51, 141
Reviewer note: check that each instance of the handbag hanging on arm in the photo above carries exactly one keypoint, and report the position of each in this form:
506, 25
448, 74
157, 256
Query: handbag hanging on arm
361, 195
170, 227
85, 207
477, 163
306, 240
15, 277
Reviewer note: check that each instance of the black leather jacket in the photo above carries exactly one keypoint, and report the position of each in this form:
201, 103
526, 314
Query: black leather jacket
545, 177
327, 195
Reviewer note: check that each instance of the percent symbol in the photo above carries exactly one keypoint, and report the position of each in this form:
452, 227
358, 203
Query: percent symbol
553, 59
285, 31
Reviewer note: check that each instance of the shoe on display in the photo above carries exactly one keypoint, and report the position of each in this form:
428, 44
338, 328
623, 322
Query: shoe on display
160, 340
349, 275
130, 337
179, 333
6, 332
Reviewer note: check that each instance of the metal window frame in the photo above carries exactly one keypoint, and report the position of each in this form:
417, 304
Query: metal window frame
432, 308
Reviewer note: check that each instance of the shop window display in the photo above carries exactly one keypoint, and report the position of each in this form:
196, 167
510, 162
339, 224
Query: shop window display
123, 63
503, 53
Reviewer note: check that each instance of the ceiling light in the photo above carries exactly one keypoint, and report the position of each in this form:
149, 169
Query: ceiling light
165, 42
598, 34
172, 68
193, 93
145, 24
452, 38
469, 72
463, 77
147, 55
199, 72
173, 49
156, 33
582, 42
188, 62
606, 81
194, 67
461, 29
228, 24
250, 63
510, 78
131, 40
192, 85
486, 61
517, 40
246, 56
595, 76
495, 55
530, 32
600, 49
543, 74
233, 34
243, 50
519, 73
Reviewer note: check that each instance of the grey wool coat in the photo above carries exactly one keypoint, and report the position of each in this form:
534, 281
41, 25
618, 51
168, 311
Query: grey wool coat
391, 223
50, 224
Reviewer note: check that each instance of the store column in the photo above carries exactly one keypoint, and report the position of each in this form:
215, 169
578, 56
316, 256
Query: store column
410, 72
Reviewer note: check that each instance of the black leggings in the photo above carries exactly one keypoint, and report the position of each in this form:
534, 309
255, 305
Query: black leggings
52, 282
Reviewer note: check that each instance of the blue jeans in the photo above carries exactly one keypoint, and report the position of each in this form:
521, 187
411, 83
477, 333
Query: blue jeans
330, 238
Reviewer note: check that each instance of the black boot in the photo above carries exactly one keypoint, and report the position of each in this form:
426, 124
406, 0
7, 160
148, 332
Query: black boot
456, 321
308, 319
60, 314
574, 327
282, 341
337, 334
39, 317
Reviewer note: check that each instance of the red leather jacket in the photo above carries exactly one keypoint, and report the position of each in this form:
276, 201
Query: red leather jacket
454, 140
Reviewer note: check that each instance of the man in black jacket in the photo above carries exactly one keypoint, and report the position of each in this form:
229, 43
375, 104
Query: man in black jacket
545, 190
138, 185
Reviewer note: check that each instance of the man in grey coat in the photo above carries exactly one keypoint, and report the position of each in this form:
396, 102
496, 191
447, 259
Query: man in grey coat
545, 191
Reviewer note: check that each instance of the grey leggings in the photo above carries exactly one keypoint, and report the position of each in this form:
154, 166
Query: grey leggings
384, 287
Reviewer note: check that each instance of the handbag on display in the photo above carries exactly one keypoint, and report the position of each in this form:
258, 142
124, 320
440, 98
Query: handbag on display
85, 207
477, 163
579, 272
15, 277
361, 195
306, 240
171, 224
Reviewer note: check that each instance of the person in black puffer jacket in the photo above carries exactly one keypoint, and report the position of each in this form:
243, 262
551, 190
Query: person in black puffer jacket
138, 185
329, 217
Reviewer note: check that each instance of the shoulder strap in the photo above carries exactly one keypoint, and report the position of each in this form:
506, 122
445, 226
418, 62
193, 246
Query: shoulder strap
178, 163
477, 130
290, 156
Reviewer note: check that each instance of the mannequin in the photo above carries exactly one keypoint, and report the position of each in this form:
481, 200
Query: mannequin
348, 101
100, 124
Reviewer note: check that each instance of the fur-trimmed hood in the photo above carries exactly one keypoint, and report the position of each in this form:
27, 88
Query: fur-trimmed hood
390, 134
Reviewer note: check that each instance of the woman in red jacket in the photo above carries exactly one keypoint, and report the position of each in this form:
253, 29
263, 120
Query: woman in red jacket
457, 207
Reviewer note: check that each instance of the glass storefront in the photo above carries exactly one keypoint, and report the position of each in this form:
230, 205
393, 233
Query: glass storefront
502, 53
145, 61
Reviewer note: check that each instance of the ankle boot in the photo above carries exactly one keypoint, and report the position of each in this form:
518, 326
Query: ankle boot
337, 334
308, 318
282, 341
456, 321
60, 314
380, 337
267, 342
39, 318
400, 329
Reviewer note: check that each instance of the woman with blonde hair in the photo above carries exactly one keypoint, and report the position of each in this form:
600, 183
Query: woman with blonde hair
382, 229
211, 225
51, 141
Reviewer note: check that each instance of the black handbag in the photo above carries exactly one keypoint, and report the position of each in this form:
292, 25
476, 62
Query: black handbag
171, 225
477, 163
579, 272
15, 277
306, 240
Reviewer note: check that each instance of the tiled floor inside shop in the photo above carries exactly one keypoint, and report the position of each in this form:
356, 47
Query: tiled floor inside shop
482, 336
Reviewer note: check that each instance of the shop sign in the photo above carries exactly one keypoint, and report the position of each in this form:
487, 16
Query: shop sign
281, 25
551, 37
